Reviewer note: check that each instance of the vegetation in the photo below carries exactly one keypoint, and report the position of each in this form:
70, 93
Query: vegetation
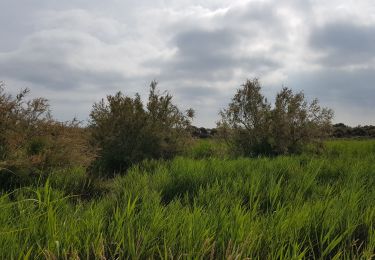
288, 207
339, 130
19, 121
126, 132
32, 142
176, 197
343, 131
253, 127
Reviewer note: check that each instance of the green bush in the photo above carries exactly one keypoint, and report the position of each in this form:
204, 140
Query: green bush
253, 127
32, 142
20, 121
126, 132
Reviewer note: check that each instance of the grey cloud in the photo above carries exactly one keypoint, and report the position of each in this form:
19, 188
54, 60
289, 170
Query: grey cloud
253, 13
219, 51
200, 42
356, 87
207, 101
19, 19
213, 55
197, 92
106, 29
200, 52
46, 59
350, 93
344, 43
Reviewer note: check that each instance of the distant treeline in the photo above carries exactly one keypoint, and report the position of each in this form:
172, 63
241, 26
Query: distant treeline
201, 132
343, 131
340, 130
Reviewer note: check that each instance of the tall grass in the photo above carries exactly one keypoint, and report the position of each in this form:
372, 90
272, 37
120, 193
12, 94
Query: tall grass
320, 207
207, 148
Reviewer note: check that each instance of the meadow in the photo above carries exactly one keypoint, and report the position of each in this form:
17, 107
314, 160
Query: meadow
203, 205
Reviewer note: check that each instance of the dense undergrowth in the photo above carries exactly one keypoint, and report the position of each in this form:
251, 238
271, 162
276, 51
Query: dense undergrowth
202, 205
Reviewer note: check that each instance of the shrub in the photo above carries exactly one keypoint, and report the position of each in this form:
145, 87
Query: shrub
252, 127
295, 122
126, 132
19, 120
32, 142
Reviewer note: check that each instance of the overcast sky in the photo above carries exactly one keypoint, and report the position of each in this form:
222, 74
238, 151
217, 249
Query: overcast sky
76, 52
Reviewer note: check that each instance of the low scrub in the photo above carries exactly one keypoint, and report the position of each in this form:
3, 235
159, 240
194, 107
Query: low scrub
32, 142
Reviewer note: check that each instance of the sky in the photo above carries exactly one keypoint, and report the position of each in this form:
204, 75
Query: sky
76, 52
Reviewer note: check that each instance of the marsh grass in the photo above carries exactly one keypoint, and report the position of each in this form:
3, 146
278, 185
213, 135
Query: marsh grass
288, 207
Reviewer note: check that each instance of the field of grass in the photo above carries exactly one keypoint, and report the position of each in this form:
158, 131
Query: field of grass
202, 205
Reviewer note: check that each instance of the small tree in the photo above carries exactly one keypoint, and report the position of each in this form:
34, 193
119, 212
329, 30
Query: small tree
296, 122
245, 122
126, 132
253, 128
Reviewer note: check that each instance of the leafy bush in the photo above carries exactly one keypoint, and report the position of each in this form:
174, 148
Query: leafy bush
126, 132
253, 127
19, 121
32, 142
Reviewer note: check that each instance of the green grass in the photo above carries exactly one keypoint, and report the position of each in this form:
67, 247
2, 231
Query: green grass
203, 206
207, 148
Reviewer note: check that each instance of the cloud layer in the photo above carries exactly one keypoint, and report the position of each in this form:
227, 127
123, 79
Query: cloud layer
76, 52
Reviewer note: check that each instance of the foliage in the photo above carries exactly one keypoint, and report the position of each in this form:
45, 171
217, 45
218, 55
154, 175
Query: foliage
19, 120
126, 132
246, 121
204, 206
32, 142
289, 207
343, 131
296, 123
253, 127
